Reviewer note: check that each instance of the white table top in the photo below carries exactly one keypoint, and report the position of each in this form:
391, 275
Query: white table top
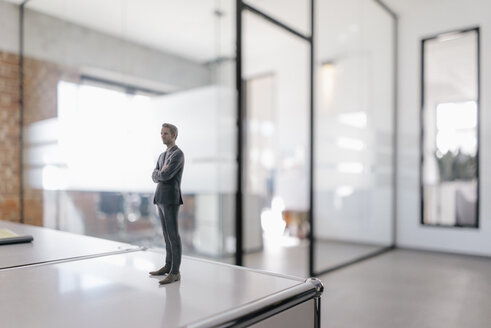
52, 245
117, 291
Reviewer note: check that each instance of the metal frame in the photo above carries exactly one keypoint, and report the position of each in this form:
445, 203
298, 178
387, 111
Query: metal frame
421, 121
312, 151
21, 110
395, 120
276, 22
257, 311
239, 219
240, 7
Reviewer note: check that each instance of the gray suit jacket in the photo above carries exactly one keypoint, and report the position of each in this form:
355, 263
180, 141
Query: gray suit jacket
169, 181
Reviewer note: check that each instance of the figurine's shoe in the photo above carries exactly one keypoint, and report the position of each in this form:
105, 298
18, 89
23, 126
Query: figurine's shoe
170, 278
163, 270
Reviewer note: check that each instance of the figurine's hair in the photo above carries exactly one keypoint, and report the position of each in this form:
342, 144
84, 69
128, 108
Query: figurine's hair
172, 128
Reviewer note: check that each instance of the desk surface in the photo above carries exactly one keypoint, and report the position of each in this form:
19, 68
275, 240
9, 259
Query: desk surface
52, 245
116, 291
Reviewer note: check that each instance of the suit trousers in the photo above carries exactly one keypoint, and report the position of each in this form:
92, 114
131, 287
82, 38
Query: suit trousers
168, 217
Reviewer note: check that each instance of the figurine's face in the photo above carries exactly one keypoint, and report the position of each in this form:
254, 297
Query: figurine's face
166, 135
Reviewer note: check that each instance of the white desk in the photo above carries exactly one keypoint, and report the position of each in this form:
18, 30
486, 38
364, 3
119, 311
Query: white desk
116, 290
52, 245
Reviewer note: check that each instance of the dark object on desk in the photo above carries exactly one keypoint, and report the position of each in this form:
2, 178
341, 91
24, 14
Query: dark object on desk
16, 240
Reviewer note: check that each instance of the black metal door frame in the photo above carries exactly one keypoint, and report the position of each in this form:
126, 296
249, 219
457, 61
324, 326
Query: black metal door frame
241, 6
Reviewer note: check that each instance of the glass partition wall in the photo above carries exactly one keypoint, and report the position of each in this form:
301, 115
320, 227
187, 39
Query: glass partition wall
296, 184
276, 91
354, 132
99, 81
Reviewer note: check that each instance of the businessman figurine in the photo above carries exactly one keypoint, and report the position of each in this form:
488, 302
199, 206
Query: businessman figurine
167, 174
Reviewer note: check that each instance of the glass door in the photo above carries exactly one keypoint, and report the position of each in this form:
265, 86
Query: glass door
354, 132
276, 93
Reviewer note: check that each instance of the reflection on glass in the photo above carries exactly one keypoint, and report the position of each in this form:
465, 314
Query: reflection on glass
354, 132
350, 143
354, 119
328, 73
450, 118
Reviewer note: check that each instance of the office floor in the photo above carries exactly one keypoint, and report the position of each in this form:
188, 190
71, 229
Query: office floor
406, 288
293, 259
401, 288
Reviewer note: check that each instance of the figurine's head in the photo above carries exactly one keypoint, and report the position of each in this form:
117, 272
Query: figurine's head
168, 134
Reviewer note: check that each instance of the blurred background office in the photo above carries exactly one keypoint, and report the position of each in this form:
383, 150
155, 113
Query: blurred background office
317, 133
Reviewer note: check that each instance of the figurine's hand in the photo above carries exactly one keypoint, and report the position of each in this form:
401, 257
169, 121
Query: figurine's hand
165, 168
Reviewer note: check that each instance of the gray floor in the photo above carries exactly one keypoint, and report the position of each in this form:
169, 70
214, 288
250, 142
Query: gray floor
405, 288
400, 288
330, 254
293, 260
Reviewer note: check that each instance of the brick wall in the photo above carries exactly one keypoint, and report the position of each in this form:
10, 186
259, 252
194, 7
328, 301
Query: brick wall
40, 102
9, 137
41, 88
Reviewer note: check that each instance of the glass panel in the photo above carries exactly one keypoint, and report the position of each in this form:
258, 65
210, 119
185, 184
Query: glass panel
100, 79
293, 13
450, 135
276, 176
354, 131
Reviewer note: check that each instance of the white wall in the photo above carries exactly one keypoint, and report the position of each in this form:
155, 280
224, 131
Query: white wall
422, 20
93, 53
9, 27
100, 55
64, 43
